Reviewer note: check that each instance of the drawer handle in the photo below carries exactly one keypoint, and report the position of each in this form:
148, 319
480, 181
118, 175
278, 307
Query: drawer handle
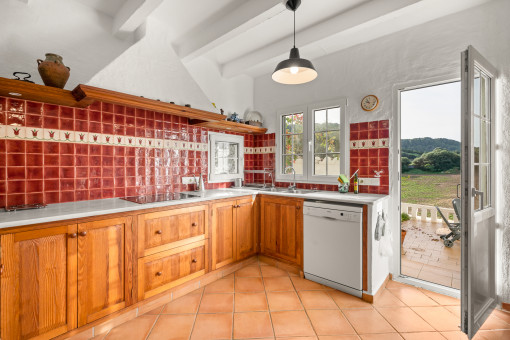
159, 232
194, 261
159, 273
238, 206
298, 207
193, 224
83, 233
73, 235
234, 206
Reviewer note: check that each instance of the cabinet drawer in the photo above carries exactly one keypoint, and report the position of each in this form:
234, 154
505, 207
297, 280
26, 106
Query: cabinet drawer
169, 229
162, 271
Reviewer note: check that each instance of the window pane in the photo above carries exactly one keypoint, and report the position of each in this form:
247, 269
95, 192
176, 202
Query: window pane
294, 161
476, 182
232, 149
320, 142
484, 142
484, 184
298, 123
288, 124
333, 144
320, 120
484, 94
320, 164
334, 164
476, 94
476, 138
287, 145
334, 118
232, 166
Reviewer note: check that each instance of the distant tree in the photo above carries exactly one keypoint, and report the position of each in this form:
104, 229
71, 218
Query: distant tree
428, 144
437, 160
405, 163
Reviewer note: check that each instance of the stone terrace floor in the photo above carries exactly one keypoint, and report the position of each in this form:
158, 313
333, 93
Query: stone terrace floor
425, 257
263, 302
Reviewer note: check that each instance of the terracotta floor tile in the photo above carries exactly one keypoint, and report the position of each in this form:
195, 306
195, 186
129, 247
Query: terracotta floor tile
439, 318
384, 336
172, 327
443, 300
278, 283
291, 323
213, 326
330, 322
221, 286
304, 284
248, 271
347, 301
298, 338
493, 322
136, 329
456, 335
270, 271
252, 325
422, 336
279, 301
250, 302
217, 303
249, 284
404, 319
366, 321
386, 299
339, 337
505, 316
492, 335
183, 305
155, 311
455, 310
412, 297
316, 299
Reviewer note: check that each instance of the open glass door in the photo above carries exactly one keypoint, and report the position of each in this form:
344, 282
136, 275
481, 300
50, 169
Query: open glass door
478, 287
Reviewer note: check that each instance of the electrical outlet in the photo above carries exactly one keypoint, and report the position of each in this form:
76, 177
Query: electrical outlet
188, 180
369, 181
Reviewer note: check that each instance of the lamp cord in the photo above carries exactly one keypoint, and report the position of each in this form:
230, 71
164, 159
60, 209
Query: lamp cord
294, 28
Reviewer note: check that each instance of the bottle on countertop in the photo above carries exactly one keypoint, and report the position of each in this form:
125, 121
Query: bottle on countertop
355, 183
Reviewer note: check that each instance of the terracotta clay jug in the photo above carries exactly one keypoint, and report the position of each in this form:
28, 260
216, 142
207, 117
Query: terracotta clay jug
53, 71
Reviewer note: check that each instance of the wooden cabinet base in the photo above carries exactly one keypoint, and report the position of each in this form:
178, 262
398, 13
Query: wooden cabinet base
105, 324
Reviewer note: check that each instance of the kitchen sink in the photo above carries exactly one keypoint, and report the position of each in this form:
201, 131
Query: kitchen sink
289, 191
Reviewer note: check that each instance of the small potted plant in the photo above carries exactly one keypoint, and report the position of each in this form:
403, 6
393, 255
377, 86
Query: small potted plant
403, 232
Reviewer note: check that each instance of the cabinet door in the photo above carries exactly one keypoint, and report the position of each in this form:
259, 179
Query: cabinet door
104, 268
223, 234
245, 229
168, 229
38, 283
282, 228
290, 234
167, 269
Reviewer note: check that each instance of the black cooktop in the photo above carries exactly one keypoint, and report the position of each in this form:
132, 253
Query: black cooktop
175, 196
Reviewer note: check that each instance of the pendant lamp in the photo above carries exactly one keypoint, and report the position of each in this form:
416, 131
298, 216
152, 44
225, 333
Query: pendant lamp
294, 70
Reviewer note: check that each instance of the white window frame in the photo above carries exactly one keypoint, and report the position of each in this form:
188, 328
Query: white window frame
308, 140
223, 137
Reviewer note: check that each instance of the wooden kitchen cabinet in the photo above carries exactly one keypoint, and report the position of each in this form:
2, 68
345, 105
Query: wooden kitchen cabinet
38, 283
104, 267
282, 228
234, 233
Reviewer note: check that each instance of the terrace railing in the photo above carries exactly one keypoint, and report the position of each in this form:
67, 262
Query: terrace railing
428, 213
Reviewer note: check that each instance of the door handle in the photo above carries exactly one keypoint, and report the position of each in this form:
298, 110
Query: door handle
193, 224
458, 186
73, 235
83, 233
194, 261
159, 273
475, 192
159, 232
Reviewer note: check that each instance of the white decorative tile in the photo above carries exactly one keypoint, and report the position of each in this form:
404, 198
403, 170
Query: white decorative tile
160, 143
107, 139
3, 131
384, 143
34, 133
130, 141
51, 134
373, 143
363, 144
149, 142
81, 137
140, 141
95, 138
66, 136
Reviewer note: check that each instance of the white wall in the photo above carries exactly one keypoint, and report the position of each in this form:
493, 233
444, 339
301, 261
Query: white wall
424, 52
28, 31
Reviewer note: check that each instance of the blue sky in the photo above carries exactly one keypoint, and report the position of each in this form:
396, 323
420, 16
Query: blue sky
431, 112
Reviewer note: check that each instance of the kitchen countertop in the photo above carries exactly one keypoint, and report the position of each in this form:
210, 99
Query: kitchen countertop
81, 209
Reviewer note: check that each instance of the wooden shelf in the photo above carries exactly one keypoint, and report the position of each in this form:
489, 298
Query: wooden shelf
87, 93
27, 91
84, 95
231, 126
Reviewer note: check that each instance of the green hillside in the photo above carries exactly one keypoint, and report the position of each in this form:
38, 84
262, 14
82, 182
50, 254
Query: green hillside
427, 144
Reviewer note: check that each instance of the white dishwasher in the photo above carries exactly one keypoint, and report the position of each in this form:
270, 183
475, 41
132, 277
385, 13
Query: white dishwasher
333, 245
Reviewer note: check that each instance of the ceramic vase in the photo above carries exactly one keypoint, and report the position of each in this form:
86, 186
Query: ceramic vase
53, 71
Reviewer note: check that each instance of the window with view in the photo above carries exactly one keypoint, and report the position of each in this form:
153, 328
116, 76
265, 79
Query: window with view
312, 141
226, 157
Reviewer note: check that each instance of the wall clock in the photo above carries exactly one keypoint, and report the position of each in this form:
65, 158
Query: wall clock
369, 103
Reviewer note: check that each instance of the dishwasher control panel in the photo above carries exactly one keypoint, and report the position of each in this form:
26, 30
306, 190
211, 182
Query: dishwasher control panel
333, 214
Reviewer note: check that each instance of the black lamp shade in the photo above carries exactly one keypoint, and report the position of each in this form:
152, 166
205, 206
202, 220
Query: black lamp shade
294, 70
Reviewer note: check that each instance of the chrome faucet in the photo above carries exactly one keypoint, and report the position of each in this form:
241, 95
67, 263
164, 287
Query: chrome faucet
200, 187
293, 185
271, 174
